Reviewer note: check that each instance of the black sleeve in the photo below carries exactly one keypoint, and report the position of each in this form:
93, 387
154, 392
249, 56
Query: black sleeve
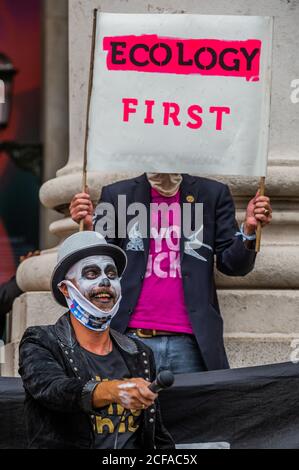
233, 257
45, 379
8, 293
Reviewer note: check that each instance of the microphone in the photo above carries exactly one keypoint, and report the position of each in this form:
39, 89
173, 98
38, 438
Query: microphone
163, 380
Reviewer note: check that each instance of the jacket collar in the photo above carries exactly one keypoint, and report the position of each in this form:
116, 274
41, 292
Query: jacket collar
67, 337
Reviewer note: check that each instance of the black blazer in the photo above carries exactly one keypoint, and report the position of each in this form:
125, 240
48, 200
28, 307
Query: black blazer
219, 240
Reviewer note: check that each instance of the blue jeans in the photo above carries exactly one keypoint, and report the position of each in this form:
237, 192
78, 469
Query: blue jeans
178, 353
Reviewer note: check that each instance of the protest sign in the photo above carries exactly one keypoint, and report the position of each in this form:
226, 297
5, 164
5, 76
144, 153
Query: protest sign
180, 93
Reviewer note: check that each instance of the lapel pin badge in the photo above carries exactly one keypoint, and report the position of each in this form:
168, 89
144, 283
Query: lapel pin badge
190, 198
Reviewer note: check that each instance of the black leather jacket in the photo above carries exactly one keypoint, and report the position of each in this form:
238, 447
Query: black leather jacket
58, 386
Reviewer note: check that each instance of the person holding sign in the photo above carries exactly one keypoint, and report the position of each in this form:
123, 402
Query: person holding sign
169, 295
177, 93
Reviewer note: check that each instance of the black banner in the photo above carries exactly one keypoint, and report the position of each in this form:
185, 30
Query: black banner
250, 408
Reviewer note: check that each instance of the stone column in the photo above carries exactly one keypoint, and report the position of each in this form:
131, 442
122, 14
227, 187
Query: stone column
36, 306
55, 103
261, 310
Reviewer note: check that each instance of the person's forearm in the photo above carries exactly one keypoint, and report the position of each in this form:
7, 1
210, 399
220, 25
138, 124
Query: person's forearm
102, 395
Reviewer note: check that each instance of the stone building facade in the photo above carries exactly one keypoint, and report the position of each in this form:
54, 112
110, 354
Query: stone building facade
261, 311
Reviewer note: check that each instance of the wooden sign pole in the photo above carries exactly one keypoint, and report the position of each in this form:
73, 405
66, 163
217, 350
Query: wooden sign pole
90, 84
259, 225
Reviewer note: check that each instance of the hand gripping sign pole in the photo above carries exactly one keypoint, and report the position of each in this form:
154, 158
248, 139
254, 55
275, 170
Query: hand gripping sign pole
90, 83
263, 178
259, 225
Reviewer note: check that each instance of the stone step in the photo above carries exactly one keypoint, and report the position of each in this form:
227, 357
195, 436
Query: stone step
34, 309
9, 360
260, 311
246, 350
261, 326
276, 267
246, 311
243, 350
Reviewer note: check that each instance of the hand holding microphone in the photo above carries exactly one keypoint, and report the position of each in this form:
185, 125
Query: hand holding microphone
146, 394
135, 393
149, 393
163, 380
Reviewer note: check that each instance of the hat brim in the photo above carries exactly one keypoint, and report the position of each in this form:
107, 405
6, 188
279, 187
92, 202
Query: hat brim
60, 271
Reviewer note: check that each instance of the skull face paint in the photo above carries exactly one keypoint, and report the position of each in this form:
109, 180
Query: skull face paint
94, 291
97, 279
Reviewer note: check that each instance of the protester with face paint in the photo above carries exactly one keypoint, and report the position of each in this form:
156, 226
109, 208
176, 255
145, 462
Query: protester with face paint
87, 385
169, 295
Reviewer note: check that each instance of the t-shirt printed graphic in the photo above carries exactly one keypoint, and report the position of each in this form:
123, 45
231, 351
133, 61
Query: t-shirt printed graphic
113, 418
161, 304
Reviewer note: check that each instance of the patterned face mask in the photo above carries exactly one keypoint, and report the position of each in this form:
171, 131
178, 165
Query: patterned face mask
97, 299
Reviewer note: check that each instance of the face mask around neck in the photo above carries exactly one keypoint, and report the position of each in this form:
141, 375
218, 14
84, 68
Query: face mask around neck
85, 312
167, 184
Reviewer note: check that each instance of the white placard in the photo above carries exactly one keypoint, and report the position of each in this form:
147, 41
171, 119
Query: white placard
181, 93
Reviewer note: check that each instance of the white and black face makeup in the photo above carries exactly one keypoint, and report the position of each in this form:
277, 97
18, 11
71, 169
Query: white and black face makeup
97, 279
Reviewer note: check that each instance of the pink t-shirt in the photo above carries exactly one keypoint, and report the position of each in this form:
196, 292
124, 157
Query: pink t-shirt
161, 304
